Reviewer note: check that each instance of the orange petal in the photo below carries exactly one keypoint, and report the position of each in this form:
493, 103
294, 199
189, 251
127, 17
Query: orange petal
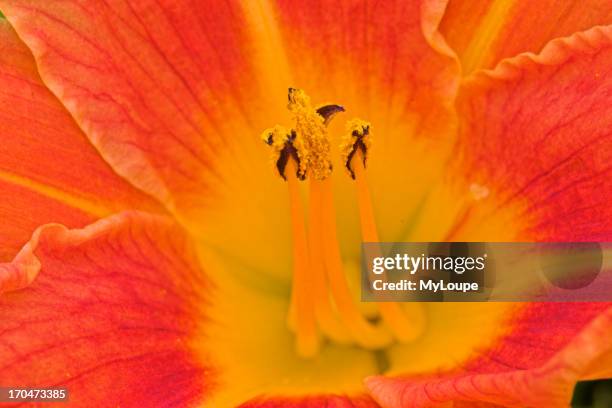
483, 32
550, 347
158, 87
110, 315
49, 172
538, 131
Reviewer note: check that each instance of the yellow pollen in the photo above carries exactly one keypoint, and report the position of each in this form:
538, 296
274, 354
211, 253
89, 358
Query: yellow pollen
297, 99
311, 126
357, 137
284, 143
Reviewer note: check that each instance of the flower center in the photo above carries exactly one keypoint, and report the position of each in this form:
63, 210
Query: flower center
322, 305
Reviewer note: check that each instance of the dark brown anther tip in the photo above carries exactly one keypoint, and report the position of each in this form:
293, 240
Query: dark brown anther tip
327, 112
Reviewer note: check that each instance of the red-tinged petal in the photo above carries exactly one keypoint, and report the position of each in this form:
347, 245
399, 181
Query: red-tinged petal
168, 93
537, 134
49, 172
159, 87
326, 401
365, 51
110, 315
534, 149
549, 348
483, 32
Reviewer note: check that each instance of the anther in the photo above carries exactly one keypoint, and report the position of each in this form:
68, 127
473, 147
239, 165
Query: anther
285, 145
311, 127
328, 111
356, 140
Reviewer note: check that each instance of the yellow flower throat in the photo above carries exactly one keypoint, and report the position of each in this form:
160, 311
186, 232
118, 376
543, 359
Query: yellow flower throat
322, 306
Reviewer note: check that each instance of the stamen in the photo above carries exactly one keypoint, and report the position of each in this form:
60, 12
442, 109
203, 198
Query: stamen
407, 323
287, 153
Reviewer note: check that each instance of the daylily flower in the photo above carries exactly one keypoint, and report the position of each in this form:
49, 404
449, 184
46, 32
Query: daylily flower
150, 247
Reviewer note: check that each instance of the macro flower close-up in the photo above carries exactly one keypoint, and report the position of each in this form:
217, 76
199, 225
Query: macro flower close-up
187, 185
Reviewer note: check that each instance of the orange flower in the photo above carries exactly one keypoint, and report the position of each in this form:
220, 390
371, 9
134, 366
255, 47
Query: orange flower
160, 266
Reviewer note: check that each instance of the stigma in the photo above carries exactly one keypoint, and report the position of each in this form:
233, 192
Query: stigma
322, 306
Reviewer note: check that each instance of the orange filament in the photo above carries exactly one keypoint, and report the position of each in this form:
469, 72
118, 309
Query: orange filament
307, 338
406, 323
364, 333
324, 311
